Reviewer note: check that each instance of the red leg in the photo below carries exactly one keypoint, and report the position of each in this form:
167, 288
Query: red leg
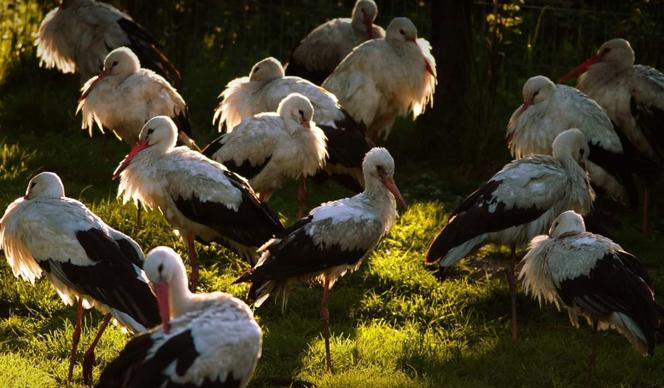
301, 197
645, 227
193, 280
593, 355
325, 317
138, 216
89, 358
76, 336
512, 282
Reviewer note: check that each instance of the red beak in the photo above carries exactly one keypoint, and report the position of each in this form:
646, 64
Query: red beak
26, 197
138, 147
580, 69
389, 183
101, 76
524, 106
161, 289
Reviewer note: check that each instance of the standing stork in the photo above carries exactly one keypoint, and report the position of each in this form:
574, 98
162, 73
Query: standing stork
333, 239
268, 148
87, 262
593, 277
320, 52
123, 97
549, 109
212, 339
201, 198
633, 96
267, 86
518, 203
385, 78
76, 36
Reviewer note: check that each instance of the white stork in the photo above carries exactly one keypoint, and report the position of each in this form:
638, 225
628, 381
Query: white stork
88, 263
267, 86
518, 203
320, 52
592, 277
124, 96
549, 109
76, 36
633, 96
206, 340
201, 198
385, 78
333, 239
269, 148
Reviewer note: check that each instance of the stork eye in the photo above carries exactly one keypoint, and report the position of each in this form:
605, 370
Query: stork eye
160, 268
607, 49
380, 170
301, 112
555, 225
115, 63
402, 32
582, 151
256, 68
536, 93
150, 131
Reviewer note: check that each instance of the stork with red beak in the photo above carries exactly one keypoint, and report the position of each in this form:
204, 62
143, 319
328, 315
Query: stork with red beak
201, 198
633, 96
385, 78
213, 338
320, 52
333, 239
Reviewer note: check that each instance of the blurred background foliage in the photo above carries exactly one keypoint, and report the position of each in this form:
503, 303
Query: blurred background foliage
485, 51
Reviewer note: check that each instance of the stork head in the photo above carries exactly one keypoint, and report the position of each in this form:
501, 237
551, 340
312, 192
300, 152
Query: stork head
401, 30
164, 268
118, 65
567, 223
266, 70
45, 185
616, 52
571, 144
535, 90
378, 169
364, 14
158, 134
296, 110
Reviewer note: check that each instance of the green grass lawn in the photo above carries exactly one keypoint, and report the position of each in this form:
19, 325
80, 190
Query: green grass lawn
393, 322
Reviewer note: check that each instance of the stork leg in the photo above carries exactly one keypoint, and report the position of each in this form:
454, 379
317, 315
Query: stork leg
593, 354
193, 280
138, 216
325, 317
89, 358
512, 282
645, 227
301, 197
76, 336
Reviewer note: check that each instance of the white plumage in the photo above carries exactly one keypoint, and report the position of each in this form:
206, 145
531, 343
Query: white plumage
123, 97
549, 109
76, 36
198, 196
320, 52
385, 78
212, 338
86, 261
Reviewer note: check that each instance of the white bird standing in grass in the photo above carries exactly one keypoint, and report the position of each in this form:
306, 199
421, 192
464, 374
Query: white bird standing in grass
320, 52
87, 262
549, 109
76, 36
592, 277
123, 97
269, 148
263, 90
206, 340
333, 239
518, 203
385, 78
201, 198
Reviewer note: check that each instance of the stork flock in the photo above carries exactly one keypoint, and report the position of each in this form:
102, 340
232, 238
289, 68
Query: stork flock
277, 125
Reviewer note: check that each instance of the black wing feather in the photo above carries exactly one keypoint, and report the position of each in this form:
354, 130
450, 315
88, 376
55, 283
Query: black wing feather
295, 68
650, 119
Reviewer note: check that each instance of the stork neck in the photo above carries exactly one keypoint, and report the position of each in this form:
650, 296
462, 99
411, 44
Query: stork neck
599, 74
180, 298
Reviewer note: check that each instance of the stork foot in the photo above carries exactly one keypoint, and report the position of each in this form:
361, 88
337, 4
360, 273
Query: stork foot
88, 365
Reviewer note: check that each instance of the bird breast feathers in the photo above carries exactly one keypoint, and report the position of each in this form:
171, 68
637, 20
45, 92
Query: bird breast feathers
237, 102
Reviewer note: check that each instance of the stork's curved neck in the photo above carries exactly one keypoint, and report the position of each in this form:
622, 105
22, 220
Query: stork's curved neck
181, 300
599, 74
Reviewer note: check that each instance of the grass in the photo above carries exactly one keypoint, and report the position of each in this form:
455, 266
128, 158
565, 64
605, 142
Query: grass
393, 322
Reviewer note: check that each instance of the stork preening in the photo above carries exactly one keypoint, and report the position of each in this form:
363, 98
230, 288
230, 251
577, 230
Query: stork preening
88, 263
201, 198
518, 203
267, 86
633, 96
269, 148
385, 78
206, 340
594, 278
333, 239
76, 36
320, 52
124, 96
549, 109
